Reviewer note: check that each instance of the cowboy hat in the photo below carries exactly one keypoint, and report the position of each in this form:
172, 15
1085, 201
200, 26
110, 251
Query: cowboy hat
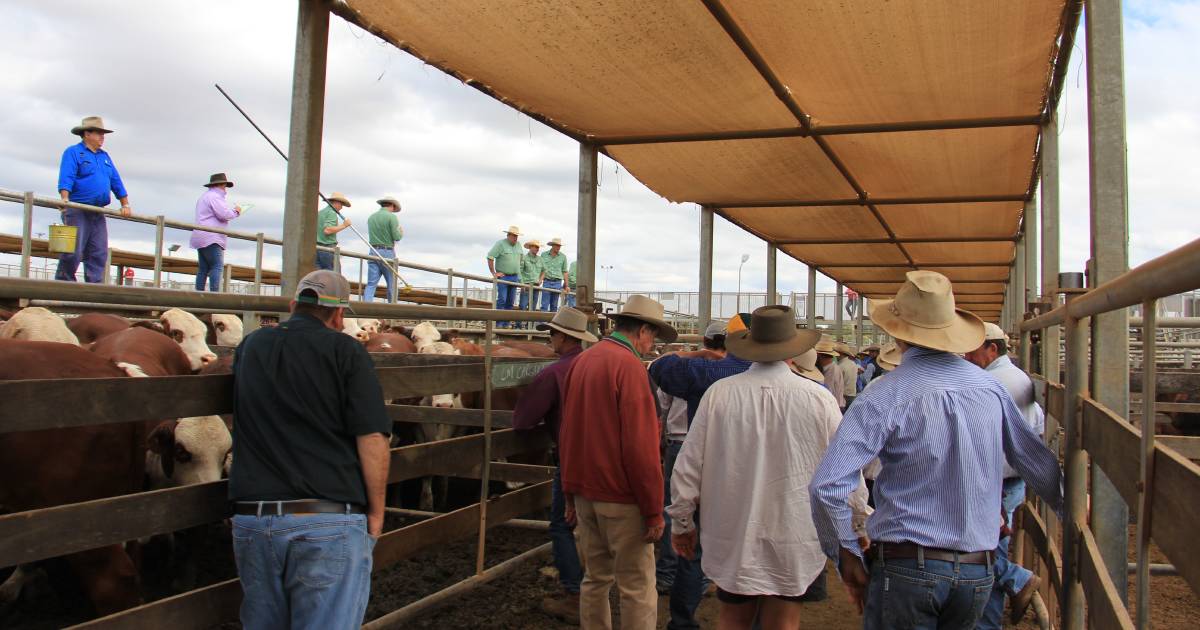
890, 357
844, 348
533, 242
91, 123
218, 178
805, 364
644, 309
923, 314
512, 229
571, 322
992, 332
389, 201
557, 240
772, 336
827, 348
337, 196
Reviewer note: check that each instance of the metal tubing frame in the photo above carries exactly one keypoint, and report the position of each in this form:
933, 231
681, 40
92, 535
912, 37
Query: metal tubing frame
704, 308
1050, 243
772, 274
837, 306
26, 234
810, 302
1146, 482
158, 245
489, 337
585, 272
1075, 487
1030, 222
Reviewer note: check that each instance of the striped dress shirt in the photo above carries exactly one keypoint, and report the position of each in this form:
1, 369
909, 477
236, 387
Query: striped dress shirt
942, 429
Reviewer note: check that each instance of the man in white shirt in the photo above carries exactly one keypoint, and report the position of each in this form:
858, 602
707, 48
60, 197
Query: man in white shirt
760, 544
827, 356
1010, 578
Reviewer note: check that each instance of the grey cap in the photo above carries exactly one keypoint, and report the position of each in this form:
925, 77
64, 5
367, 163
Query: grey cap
714, 328
325, 288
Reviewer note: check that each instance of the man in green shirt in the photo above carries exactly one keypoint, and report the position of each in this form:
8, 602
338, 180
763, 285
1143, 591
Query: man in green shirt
504, 261
383, 230
328, 227
571, 284
555, 265
531, 274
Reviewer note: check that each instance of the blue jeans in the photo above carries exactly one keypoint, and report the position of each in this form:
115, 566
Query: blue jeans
324, 260
684, 578
91, 246
905, 593
570, 300
506, 295
562, 541
309, 571
550, 298
377, 270
212, 260
1010, 577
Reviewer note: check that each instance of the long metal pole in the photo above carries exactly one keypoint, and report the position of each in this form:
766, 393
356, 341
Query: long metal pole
1050, 244
304, 142
1018, 293
1031, 256
158, 245
704, 310
858, 327
810, 305
1076, 473
837, 306
772, 278
27, 235
585, 272
1146, 485
1110, 256
489, 337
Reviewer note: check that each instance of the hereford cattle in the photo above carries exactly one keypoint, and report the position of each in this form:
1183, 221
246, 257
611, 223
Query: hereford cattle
42, 469
187, 451
424, 334
351, 326
37, 324
144, 351
92, 326
389, 342
224, 329
436, 432
534, 348
189, 332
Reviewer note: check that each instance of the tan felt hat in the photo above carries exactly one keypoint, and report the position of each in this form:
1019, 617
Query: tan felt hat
644, 309
557, 240
571, 322
844, 348
218, 178
337, 196
772, 336
91, 123
890, 357
512, 229
386, 201
805, 364
924, 314
533, 242
827, 347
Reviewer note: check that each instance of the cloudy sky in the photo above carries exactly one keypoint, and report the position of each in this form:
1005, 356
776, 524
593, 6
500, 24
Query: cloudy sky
463, 165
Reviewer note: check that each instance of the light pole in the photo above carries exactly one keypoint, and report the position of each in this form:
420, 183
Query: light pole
171, 251
606, 268
745, 257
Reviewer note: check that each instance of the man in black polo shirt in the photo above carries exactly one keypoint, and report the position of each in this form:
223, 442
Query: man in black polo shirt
310, 465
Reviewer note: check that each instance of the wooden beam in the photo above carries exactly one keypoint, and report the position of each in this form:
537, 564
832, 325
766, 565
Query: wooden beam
862, 201
458, 417
1186, 445
459, 456
898, 239
1113, 444
1047, 549
1105, 606
205, 607
1176, 512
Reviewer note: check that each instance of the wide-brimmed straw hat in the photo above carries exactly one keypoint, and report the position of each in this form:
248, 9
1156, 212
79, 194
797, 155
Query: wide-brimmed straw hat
571, 322
337, 196
533, 242
389, 201
805, 364
557, 240
827, 347
844, 348
218, 178
890, 357
924, 314
512, 229
772, 336
644, 309
91, 123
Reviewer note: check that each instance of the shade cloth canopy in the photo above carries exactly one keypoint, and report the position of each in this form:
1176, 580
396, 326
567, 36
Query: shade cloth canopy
865, 138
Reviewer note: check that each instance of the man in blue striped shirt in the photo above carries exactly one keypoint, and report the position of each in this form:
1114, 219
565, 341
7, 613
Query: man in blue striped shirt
942, 429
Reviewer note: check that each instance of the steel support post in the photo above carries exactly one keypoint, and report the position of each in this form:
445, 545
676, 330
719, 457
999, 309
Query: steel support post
1146, 483
27, 235
1018, 294
449, 287
158, 245
1050, 244
258, 259
810, 304
704, 309
586, 226
226, 278
1031, 257
489, 338
1076, 473
304, 142
772, 293
858, 324
1110, 257
837, 305
107, 277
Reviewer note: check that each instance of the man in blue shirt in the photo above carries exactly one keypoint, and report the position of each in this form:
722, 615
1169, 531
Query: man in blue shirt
688, 375
87, 175
942, 429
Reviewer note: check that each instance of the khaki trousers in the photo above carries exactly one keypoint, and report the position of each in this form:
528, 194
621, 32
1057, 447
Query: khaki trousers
611, 536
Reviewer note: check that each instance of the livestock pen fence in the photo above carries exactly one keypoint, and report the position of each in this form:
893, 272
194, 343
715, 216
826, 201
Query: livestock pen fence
1154, 475
34, 405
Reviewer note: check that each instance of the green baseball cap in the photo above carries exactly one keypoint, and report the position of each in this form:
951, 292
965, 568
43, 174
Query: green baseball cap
324, 288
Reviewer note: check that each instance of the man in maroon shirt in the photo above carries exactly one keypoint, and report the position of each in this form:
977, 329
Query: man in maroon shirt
540, 404
611, 470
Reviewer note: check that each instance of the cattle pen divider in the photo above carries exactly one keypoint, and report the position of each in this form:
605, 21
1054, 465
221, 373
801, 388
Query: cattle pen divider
39, 534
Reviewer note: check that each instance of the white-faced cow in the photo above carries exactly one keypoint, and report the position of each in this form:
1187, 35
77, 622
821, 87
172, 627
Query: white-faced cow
37, 324
424, 334
189, 332
224, 329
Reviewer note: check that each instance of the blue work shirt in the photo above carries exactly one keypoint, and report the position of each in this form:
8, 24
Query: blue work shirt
89, 176
689, 378
941, 428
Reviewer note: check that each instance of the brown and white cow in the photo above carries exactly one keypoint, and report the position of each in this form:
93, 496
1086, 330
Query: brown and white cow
424, 334
389, 342
224, 329
37, 324
89, 327
144, 352
189, 332
437, 432
187, 451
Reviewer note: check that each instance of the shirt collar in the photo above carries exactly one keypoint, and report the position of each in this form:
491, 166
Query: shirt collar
769, 366
302, 320
917, 351
572, 352
624, 341
84, 146
1000, 363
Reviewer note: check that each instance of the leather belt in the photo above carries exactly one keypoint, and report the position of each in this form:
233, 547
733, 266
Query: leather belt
901, 551
306, 506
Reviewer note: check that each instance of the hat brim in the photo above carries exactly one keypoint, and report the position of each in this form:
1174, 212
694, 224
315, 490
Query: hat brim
341, 200
390, 202
812, 375
964, 334
743, 346
581, 335
211, 184
666, 332
79, 130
